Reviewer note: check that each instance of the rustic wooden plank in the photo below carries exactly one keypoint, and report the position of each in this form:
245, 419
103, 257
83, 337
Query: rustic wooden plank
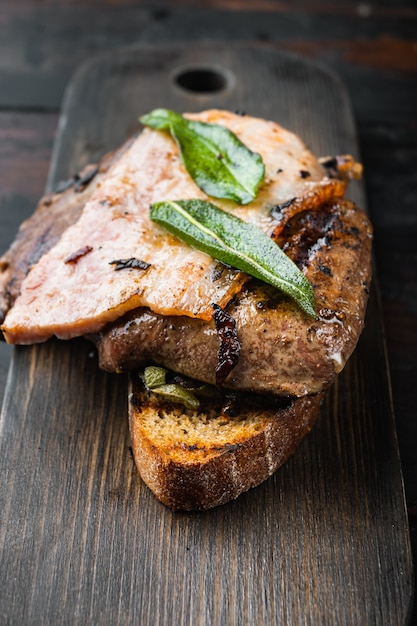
389, 152
34, 70
350, 7
25, 151
26, 141
324, 541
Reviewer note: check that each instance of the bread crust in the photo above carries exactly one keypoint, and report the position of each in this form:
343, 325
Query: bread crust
202, 468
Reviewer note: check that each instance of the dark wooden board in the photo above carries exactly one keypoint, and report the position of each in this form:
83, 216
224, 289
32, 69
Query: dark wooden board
324, 541
372, 44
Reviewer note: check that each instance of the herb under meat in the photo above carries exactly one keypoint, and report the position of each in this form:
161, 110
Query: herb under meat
154, 379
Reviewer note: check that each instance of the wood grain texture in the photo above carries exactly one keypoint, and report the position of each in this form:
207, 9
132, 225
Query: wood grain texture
42, 43
25, 152
389, 153
324, 541
26, 142
345, 7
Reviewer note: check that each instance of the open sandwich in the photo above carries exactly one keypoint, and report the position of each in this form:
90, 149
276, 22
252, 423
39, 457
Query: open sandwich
218, 260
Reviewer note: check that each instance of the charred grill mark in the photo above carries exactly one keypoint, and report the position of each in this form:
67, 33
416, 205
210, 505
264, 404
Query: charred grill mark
325, 270
218, 271
229, 350
132, 263
306, 233
309, 232
277, 210
343, 167
331, 167
321, 196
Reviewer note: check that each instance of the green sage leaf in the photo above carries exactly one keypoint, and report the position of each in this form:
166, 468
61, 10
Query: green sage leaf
219, 163
235, 242
154, 376
176, 393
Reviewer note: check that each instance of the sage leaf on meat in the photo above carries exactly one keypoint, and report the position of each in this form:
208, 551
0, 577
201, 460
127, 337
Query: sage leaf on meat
237, 243
218, 162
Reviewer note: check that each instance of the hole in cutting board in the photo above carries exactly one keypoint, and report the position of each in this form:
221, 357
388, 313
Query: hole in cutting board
202, 80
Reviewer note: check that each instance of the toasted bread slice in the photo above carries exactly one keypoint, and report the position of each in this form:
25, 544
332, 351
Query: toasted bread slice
196, 459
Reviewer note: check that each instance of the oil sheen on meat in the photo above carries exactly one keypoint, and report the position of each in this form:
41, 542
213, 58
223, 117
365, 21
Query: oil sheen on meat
74, 289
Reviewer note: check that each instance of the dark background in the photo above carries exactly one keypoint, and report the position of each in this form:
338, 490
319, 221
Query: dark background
373, 48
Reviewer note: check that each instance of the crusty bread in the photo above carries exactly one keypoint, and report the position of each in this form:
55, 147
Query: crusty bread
198, 459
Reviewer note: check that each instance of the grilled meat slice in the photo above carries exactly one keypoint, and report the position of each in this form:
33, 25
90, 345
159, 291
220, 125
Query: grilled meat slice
55, 212
282, 350
115, 224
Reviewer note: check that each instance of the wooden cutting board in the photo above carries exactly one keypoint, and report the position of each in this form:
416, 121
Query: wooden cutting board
323, 542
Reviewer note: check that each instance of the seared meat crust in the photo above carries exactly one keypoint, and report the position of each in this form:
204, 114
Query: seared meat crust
283, 351
115, 224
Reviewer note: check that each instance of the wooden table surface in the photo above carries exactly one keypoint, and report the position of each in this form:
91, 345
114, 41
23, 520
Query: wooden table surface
372, 47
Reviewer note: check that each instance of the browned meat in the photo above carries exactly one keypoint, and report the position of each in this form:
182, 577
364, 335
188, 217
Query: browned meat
282, 350
115, 224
